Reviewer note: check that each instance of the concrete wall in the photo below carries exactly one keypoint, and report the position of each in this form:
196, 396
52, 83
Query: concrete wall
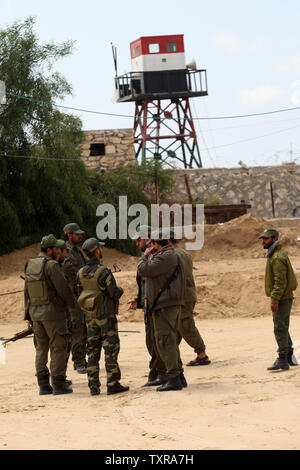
118, 144
231, 185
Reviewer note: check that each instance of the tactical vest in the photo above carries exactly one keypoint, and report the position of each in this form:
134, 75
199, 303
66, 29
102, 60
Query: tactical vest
92, 298
36, 282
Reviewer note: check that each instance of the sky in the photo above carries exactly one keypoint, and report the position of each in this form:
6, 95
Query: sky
251, 51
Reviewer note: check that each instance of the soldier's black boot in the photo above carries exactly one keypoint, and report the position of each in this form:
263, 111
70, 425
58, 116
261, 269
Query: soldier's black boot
60, 386
183, 380
154, 383
173, 384
292, 360
45, 387
280, 363
117, 388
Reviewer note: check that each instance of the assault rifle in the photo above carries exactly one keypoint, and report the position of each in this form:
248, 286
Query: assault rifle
20, 335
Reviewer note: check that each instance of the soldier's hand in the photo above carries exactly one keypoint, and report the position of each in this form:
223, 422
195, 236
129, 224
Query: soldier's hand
132, 304
150, 250
274, 308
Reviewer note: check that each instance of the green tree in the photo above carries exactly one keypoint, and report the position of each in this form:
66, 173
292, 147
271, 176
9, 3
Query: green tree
42, 179
43, 182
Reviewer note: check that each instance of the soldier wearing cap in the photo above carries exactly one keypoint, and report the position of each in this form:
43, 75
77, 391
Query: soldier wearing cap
47, 295
62, 253
99, 299
157, 372
165, 283
280, 282
71, 265
186, 326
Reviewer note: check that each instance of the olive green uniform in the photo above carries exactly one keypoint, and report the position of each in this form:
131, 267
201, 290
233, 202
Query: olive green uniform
47, 295
98, 298
71, 265
166, 311
186, 326
157, 368
280, 282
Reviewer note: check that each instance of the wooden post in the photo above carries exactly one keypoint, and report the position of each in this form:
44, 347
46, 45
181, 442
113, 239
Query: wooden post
187, 184
272, 198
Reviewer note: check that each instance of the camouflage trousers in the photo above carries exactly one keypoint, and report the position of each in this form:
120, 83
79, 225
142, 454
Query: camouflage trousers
78, 337
103, 332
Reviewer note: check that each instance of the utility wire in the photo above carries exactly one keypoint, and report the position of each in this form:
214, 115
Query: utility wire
28, 98
204, 149
253, 138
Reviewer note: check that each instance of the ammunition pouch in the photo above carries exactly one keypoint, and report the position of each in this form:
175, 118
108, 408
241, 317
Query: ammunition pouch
91, 303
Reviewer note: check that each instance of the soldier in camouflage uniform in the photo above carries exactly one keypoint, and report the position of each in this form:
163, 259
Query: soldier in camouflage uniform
99, 298
46, 298
71, 265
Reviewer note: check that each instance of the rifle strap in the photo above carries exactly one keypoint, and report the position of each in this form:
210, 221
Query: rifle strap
166, 285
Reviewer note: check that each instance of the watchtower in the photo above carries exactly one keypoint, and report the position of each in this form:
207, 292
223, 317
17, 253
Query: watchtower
161, 84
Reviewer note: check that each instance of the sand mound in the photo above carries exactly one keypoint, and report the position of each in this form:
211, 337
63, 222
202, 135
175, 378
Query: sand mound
239, 237
229, 271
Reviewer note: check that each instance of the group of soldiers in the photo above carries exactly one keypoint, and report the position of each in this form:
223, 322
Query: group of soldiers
72, 299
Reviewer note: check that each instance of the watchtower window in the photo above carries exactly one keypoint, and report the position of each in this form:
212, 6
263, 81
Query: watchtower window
171, 46
154, 48
97, 150
138, 50
133, 52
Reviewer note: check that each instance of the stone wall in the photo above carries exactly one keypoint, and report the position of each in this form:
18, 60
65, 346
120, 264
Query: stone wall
231, 185
116, 148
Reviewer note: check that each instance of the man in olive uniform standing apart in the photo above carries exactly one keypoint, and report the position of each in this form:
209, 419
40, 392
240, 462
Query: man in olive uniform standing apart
99, 299
47, 295
71, 265
156, 375
280, 282
165, 291
186, 327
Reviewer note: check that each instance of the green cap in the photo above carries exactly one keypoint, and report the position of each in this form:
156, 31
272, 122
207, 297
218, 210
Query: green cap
91, 244
268, 233
48, 241
61, 244
73, 227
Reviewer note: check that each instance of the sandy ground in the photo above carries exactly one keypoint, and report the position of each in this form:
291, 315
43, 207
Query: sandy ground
234, 403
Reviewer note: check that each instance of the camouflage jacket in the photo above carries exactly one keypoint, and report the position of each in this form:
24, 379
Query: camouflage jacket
106, 281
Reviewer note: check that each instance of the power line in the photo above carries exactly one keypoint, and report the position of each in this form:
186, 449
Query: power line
253, 138
28, 98
204, 149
